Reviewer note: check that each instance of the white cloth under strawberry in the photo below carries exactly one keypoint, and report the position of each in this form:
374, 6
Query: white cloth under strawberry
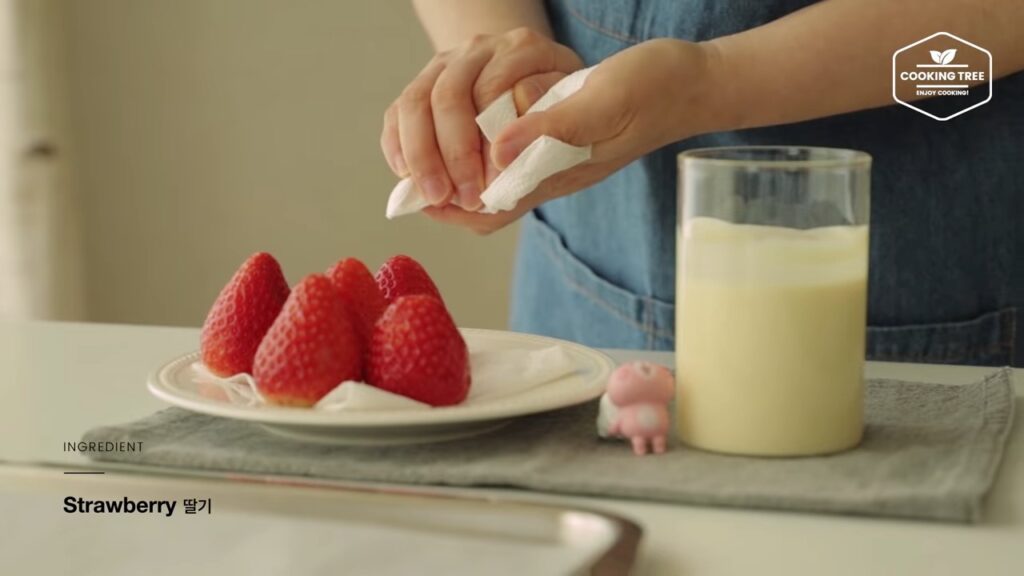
495, 374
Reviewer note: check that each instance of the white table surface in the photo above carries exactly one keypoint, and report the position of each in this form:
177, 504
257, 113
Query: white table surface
62, 379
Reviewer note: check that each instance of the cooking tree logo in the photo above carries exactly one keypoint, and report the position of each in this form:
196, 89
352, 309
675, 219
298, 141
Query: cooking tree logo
942, 76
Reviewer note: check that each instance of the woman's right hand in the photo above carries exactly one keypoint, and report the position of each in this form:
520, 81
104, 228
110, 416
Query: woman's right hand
430, 131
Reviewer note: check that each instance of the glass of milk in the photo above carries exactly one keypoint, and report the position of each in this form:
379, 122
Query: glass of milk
771, 299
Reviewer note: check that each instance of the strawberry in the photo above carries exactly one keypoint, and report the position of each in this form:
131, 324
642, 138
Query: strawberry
417, 351
403, 276
312, 347
242, 314
358, 289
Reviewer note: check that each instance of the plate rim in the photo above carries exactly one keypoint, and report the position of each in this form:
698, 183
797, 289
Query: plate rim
292, 416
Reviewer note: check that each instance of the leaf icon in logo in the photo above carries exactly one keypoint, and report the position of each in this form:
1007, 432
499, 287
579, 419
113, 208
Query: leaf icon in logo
936, 56
948, 56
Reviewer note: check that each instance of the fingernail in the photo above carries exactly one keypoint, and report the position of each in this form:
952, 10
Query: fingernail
505, 152
398, 165
469, 197
533, 91
434, 189
526, 94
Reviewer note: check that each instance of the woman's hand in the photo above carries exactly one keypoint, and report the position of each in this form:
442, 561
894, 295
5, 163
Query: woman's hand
430, 131
637, 101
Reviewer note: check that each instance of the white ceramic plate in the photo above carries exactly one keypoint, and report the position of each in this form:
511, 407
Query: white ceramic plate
176, 383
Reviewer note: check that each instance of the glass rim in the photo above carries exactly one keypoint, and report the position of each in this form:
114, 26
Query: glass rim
834, 157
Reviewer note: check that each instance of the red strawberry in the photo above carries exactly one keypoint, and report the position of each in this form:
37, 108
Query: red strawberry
417, 351
403, 276
358, 289
241, 315
311, 348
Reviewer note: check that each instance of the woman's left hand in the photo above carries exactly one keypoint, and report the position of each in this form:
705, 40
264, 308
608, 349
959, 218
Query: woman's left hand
636, 101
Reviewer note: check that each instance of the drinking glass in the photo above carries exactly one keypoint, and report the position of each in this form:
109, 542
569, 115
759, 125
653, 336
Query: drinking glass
771, 299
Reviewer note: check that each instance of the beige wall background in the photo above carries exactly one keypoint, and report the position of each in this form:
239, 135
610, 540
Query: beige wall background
204, 130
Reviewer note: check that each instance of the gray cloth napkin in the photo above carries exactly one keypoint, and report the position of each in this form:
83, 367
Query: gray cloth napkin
929, 451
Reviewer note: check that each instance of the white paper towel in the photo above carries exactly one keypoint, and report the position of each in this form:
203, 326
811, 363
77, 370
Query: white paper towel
544, 157
494, 374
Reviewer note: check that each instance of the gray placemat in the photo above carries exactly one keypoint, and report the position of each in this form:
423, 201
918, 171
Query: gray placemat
930, 451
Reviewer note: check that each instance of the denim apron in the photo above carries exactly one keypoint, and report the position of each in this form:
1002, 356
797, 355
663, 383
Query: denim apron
947, 250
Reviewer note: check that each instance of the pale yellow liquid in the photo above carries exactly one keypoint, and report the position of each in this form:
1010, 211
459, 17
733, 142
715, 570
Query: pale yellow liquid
770, 329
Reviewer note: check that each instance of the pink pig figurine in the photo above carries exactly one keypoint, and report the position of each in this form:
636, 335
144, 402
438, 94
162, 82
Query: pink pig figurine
635, 406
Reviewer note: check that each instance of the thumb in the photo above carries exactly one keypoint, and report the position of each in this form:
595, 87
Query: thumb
581, 119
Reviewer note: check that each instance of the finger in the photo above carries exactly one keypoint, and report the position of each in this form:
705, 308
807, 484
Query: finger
519, 58
473, 221
458, 136
527, 91
490, 170
417, 138
486, 223
390, 144
593, 114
